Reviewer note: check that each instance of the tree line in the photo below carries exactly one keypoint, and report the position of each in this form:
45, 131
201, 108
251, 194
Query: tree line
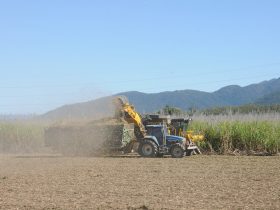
226, 110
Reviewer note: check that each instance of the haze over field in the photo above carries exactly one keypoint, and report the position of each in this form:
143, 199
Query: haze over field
62, 52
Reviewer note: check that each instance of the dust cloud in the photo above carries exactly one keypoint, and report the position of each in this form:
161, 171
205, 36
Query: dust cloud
70, 133
90, 139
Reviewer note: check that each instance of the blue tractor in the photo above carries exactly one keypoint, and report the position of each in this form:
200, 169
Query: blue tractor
157, 142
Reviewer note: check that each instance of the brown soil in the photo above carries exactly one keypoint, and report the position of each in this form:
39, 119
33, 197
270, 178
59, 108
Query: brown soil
197, 182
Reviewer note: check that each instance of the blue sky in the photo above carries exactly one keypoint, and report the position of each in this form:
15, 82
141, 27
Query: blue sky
60, 52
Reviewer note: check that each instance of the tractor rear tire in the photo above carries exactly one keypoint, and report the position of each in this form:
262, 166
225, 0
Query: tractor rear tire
177, 151
148, 148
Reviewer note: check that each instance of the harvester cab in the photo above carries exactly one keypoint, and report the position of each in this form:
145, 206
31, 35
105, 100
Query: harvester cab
179, 126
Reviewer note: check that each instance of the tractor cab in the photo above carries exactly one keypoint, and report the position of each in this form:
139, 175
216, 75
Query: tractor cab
158, 131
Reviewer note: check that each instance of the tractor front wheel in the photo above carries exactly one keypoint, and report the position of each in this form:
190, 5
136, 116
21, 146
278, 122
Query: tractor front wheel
177, 151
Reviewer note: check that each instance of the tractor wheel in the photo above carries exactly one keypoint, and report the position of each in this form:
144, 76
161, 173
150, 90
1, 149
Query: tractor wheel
148, 148
177, 151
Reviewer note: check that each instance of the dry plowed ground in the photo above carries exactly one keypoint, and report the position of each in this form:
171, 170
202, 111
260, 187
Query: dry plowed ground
198, 182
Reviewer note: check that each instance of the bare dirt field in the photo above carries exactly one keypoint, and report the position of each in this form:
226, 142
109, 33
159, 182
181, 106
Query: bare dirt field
197, 182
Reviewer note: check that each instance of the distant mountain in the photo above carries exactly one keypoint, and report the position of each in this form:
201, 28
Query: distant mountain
273, 98
183, 99
236, 95
232, 95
